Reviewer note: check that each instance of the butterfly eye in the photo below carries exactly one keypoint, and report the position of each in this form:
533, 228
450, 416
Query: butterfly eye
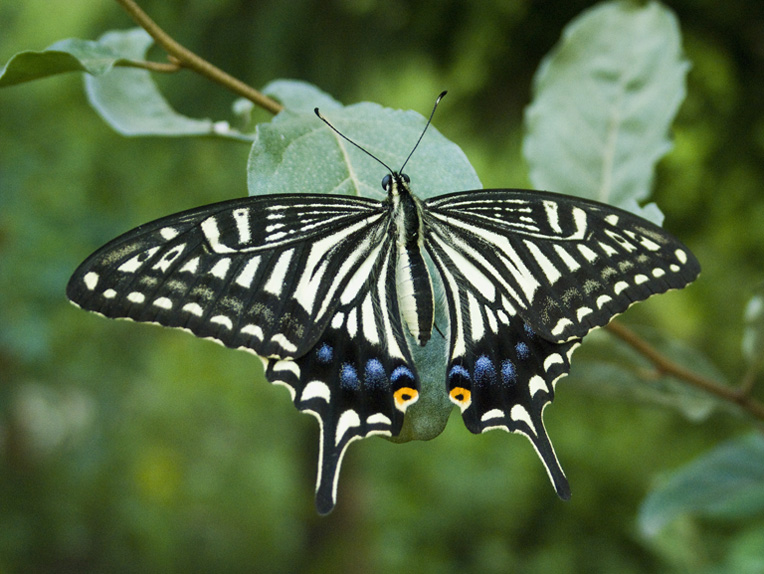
386, 182
405, 178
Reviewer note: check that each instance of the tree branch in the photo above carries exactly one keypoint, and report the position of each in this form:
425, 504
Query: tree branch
162, 67
749, 379
188, 59
740, 396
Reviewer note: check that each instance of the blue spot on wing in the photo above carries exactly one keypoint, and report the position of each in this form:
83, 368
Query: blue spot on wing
458, 371
349, 377
508, 372
485, 372
325, 353
528, 330
402, 372
522, 350
374, 374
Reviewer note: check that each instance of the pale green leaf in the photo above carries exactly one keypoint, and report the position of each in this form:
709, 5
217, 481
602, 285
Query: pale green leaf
726, 482
297, 153
300, 97
753, 334
604, 100
130, 102
72, 55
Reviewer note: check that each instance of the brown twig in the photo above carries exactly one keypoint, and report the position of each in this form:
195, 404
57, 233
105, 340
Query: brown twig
740, 396
749, 379
188, 59
162, 67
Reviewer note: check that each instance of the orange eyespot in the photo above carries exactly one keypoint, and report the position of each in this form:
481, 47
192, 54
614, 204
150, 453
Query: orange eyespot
461, 397
404, 397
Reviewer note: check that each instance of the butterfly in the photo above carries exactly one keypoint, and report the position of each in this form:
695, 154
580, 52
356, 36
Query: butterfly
329, 289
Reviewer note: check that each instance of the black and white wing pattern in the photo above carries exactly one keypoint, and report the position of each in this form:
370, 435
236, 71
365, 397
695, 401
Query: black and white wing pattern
526, 275
320, 287
304, 281
358, 379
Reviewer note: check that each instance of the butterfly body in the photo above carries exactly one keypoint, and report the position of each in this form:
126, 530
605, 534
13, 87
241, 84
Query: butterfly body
414, 285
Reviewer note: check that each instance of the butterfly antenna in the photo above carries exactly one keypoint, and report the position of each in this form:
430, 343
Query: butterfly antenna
371, 155
343, 136
429, 121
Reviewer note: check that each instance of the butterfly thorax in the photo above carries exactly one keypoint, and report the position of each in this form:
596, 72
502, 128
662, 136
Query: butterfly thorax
413, 283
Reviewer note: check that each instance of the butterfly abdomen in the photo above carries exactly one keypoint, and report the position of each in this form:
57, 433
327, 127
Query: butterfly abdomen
413, 283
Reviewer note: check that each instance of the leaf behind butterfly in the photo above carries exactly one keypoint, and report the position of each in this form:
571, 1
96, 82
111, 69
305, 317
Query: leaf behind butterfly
297, 153
604, 100
606, 367
70, 55
753, 333
724, 482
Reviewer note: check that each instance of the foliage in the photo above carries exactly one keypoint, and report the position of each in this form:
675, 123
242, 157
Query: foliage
604, 101
725, 482
127, 447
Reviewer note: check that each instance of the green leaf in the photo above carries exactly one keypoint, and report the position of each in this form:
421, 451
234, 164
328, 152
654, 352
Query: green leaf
607, 366
126, 98
300, 97
72, 55
297, 153
604, 100
726, 482
753, 333
130, 102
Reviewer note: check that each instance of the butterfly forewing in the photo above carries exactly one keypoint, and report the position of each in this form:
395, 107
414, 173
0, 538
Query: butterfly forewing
565, 265
252, 273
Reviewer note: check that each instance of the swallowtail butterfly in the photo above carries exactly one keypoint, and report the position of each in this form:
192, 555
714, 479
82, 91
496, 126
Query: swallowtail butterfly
322, 287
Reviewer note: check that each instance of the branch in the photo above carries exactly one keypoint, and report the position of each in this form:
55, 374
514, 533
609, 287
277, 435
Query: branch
187, 59
162, 67
740, 396
749, 379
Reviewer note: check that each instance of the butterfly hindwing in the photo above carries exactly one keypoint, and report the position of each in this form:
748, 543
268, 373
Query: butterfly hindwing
499, 373
359, 379
526, 275
566, 265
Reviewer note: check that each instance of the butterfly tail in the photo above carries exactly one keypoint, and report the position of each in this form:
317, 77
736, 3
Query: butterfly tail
545, 450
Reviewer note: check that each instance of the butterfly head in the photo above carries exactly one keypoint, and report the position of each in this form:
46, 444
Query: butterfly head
395, 179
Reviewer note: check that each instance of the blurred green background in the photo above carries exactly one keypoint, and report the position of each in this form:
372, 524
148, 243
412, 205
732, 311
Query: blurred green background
128, 448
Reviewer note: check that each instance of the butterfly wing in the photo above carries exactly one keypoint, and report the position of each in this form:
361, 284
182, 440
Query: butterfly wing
359, 379
526, 275
500, 373
250, 273
301, 280
565, 264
